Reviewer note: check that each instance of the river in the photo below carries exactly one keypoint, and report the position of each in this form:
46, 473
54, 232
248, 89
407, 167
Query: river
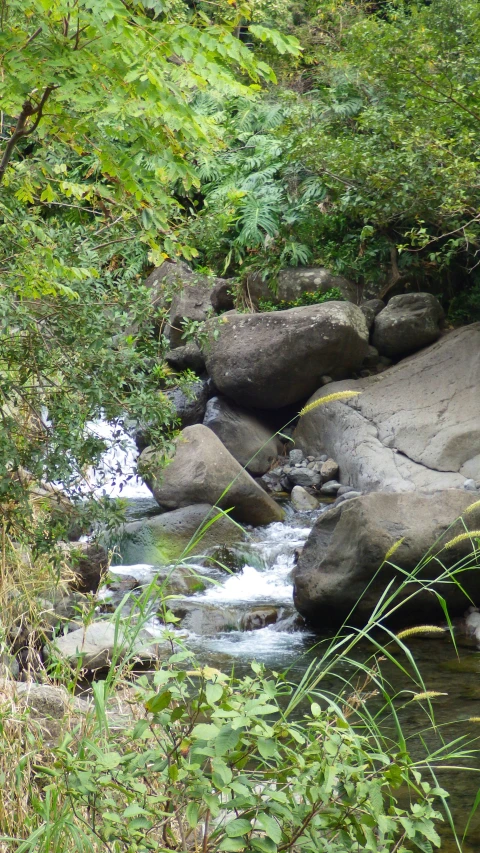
221, 627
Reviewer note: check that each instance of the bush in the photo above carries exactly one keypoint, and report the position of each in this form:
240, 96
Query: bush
315, 297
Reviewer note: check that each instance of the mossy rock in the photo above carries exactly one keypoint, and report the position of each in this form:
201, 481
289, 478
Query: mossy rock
165, 538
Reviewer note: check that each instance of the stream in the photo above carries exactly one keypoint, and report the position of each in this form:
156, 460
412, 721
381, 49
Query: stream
247, 613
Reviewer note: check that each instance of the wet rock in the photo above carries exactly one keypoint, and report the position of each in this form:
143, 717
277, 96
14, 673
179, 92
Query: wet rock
417, 426
273, 359
302, 500
248, 439
258, 617
203, 471
94, 644
206, 619
162, 539
338, 568
408, 323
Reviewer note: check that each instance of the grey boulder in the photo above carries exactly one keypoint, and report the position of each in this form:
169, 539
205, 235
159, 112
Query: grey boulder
272, 359
203, 471
408, 323
188, 295
302, 500
187, 357
416, 426
337, 575
291, 283
247, 438
96, 644
165, 538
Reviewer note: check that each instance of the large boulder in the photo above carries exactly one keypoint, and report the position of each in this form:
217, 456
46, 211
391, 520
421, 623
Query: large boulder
276, 358
292, 282
247, 438
408, 323
96, 644
203, 471
416, 426
163, 539
337, 577
190, 296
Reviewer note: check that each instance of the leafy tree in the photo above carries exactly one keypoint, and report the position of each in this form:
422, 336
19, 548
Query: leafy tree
372, 165
102, 125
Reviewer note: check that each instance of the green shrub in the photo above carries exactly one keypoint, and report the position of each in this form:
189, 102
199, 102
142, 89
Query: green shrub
315, 297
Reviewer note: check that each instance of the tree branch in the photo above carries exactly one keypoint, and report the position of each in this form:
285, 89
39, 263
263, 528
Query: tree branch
28, 110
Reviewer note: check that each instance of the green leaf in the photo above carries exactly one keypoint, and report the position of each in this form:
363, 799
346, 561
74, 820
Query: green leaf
205, 731
110, 760
213, 692
271, 827
158, 702
238, 827
226, 740
191, 813
232, 845
264, 845
266, 747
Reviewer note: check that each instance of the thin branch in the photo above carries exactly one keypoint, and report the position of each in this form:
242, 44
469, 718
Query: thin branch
28, 110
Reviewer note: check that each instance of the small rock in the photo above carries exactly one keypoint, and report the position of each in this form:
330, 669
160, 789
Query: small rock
343, 490
310, 458
304, 477
347, 496
376, 305
302, 500
325, 380
330, 488
259, 617
369, 315
295, 456
470, 485
188, 357
329, 470
372, 358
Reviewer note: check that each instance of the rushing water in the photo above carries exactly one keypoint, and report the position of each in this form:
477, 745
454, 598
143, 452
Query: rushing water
221, 633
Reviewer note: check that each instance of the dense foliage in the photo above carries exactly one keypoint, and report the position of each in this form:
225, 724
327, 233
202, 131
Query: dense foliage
103, 119
365, 159
135, 132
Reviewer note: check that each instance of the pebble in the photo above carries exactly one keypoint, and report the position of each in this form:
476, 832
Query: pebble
470, 485
295, 456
